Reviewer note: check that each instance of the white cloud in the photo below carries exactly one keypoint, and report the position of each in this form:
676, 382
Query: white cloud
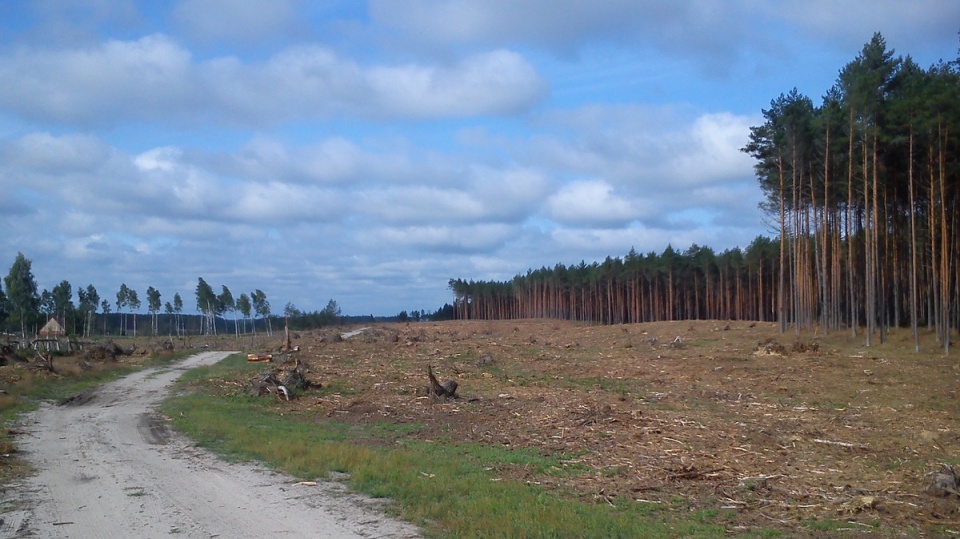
159, 159
645, 151
716, 36
281, 204
509, 194
702, 30
418, 204
154, 78
474, 194
113, 81
709, 150
304, 81
598, 243
449, 239
593, 204
238, 21
75, 21
498, 82
332, 160
168, 185
43, 153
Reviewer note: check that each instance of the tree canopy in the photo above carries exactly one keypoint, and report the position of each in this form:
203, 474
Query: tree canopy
22, 293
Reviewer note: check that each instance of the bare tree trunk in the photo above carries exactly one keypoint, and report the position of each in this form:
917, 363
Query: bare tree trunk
945, 287
851, 290
781, 314
913, 251
868, 254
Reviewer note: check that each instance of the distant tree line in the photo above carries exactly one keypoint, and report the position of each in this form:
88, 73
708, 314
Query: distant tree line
863, 189
689, 285
329, 316
24, 309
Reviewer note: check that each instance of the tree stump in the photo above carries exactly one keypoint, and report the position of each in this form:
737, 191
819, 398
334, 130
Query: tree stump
447, 390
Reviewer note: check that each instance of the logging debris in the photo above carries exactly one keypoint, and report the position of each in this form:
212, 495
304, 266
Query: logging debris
944, 481
285, 381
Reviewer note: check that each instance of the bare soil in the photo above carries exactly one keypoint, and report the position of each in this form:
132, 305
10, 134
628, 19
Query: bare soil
810, 434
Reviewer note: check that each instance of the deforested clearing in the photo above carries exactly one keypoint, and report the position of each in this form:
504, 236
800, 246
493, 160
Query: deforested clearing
806, 433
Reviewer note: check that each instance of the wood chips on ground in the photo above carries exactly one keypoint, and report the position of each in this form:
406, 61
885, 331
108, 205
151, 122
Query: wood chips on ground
772, 430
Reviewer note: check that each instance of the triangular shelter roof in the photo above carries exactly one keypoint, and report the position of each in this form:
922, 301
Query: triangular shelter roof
51, 329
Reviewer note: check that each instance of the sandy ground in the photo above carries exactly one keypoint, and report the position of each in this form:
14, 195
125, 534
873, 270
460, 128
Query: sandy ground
109, 467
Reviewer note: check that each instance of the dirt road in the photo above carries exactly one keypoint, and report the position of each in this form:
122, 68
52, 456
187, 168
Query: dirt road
109, 467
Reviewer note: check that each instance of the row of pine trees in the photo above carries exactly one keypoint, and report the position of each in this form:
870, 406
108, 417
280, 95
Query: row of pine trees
690, 285
864, 190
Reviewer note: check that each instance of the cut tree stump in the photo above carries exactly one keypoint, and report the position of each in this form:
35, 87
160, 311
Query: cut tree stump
447, 390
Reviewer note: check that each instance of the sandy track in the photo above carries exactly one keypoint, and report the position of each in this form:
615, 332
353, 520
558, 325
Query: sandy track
109, 467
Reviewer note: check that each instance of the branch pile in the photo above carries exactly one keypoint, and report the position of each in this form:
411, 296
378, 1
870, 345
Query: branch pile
285, 381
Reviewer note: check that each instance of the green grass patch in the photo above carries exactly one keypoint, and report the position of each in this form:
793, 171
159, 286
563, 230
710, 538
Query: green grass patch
898, 463
449, 489
531, 351
622, 386
230, 368
493, 458
469, 356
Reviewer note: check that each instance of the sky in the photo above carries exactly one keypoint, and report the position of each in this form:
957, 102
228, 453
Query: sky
370, 151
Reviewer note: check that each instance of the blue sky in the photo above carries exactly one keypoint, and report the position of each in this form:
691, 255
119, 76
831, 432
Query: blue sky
367, 152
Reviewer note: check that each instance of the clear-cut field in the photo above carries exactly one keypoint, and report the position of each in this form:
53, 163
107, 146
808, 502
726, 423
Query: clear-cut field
769, 429
808, 434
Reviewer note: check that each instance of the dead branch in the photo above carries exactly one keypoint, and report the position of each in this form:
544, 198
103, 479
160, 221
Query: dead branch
694, 474
47, 361
841, 444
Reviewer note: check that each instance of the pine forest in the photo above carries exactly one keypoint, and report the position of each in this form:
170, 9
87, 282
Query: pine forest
863, 189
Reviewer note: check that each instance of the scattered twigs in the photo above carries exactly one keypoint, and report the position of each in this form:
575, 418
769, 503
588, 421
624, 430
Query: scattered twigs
694, 473
760, 479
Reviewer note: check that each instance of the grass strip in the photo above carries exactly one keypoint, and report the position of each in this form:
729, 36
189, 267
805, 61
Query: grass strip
446, 488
